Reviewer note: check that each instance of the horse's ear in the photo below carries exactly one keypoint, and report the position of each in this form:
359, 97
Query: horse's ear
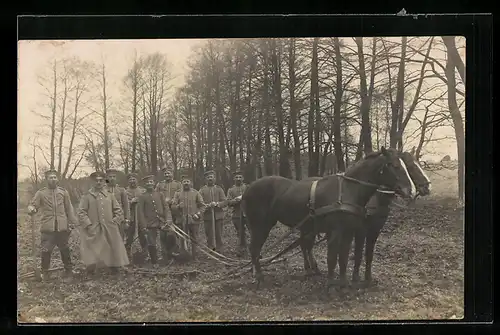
383, 150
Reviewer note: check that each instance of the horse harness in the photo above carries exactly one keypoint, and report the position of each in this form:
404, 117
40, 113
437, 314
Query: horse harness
339, 205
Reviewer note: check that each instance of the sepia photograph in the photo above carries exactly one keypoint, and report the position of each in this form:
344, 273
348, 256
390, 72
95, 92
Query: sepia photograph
241, 179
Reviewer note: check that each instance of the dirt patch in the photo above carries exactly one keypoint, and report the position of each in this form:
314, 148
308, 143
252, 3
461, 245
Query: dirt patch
419, 263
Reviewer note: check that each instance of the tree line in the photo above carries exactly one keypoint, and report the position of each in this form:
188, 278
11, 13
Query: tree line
290, 106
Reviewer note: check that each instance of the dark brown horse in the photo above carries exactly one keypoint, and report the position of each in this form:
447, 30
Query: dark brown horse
339, 204
377, 212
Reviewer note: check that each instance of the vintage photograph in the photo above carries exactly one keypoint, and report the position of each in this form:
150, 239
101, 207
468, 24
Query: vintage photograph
259, 179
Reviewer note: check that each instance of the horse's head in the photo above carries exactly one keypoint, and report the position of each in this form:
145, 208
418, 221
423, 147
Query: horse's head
393, 173
417, 174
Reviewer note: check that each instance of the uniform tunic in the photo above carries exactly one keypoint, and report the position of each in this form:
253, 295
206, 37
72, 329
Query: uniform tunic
210, 194
168, 189
133, 193
189, 203
55, 209
100, 216
153, 210
121, 196
232, 193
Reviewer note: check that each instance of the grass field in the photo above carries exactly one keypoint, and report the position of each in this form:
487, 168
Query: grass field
419, 264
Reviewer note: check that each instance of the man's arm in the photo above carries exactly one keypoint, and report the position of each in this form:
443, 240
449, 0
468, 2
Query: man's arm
82, 212
35, 203
70, 212
125, 204
140, 213
222, 198
117, 210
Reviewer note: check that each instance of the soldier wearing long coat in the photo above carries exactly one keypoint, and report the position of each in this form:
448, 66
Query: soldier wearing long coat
57, 216
190, 205
100, 215
234, 195
215, 200
121, 196
154, 216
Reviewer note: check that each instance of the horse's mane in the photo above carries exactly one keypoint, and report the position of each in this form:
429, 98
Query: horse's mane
361, 162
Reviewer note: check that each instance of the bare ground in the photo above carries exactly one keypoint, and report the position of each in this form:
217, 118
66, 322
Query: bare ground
419, 264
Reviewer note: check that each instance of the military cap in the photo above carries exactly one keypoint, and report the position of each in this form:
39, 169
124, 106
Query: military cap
132, 175
185, 177
209, 172
111, 171
51, 172
96, 174
237, 173
166, 169
148, 177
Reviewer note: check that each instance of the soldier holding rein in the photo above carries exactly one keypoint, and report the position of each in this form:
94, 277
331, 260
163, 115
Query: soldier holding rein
189, 203
57, 218
234, 195
121, 196
215, 199
133, 193
154, 215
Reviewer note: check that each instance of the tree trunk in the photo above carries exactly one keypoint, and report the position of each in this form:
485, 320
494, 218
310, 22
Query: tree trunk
293, 110
365, 104
337, 137
62, 124
53, 126
313, 131
456, 117
398, 107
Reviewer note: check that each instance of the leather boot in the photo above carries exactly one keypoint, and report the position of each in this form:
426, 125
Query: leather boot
153, 255
66, 259
45, 265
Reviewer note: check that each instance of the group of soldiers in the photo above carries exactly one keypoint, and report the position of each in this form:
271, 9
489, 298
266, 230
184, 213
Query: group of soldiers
110, 216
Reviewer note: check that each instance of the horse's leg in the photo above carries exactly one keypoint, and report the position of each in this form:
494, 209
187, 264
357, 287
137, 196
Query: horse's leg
359, 243
333, 238
345, 246
259, 235
371, 238
312, 261
305, 253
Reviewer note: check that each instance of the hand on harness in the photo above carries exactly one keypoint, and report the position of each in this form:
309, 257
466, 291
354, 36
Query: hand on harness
31, 209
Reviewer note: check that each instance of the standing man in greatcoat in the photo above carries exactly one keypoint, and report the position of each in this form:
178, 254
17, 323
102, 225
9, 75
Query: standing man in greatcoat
154, 216
189, 203
121, 196
57, 217
215, 199
234, 195
168, 187
133, 193
100, 216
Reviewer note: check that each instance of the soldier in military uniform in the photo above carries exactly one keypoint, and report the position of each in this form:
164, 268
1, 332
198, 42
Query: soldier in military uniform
154, 215
57, 218
121, 196
133, 193
215, 199
234, 195
100, 216
168, 187
190, 205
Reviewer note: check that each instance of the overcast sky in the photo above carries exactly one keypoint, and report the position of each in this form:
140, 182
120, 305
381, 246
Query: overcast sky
33, 57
